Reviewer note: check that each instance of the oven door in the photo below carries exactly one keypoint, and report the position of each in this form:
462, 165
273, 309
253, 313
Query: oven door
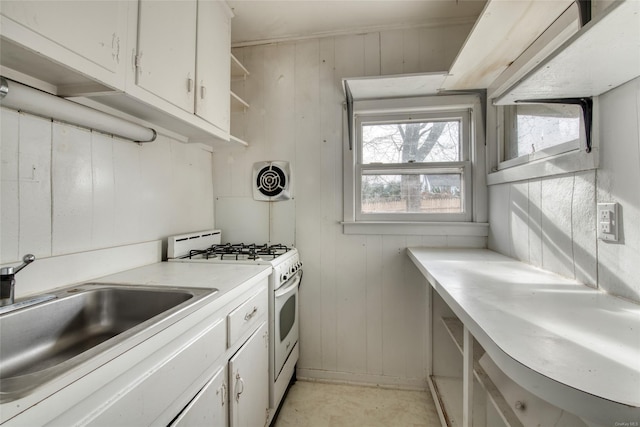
286, 321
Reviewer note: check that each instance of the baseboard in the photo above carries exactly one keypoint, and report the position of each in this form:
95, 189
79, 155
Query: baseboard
382, 381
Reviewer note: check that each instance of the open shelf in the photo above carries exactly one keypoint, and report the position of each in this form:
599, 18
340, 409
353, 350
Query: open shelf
448, 390
238, 71
455, 328
238, 141
238, 105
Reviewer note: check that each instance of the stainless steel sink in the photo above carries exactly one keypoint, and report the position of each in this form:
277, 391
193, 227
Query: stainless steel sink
41, 342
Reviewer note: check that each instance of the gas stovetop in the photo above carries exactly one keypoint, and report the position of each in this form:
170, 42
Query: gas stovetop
205, 246
239, 252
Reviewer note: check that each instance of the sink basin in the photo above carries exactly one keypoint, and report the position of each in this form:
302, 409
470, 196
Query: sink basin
41, 342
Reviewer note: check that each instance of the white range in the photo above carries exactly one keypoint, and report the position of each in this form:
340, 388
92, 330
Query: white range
284, 282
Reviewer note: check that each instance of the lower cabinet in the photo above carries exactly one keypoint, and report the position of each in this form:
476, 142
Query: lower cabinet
249, 381
237, 394
209, 407
239, 399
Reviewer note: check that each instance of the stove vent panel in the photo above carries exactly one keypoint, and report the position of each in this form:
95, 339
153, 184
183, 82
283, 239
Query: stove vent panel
271, 181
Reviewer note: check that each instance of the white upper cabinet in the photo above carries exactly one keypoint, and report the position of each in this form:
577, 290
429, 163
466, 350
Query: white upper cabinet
182, 57
166, 55
213, 63
86, 36
164, 62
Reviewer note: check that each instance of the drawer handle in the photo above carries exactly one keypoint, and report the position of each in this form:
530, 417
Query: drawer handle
248, 316
239, 381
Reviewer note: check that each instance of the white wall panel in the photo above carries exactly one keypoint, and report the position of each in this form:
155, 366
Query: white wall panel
535, 223
34, 166
72, 191
519, 220
351, 309
374, 301
557, 246
10, 202
128, 188
583, 223
330, 134
154, 182
394, 302
308, 216
499, 229
618, 179
105, 193
103, 227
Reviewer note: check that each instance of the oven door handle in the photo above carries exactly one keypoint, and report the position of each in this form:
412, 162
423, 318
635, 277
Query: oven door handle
288, 288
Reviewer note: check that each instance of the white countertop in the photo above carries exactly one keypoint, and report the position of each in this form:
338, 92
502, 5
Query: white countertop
564, 331
224, 277
61, 396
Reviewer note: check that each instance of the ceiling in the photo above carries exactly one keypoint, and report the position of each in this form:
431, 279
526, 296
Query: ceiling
268, 21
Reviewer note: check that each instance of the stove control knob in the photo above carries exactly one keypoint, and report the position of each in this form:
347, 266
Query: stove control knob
283, 277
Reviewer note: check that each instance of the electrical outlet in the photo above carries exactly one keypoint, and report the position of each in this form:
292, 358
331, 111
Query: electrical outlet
608, 222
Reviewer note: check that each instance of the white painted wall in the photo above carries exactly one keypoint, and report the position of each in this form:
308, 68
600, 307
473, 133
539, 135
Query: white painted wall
67, 190
364, 306
552, 221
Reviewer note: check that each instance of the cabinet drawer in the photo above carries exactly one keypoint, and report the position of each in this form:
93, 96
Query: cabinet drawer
247, 316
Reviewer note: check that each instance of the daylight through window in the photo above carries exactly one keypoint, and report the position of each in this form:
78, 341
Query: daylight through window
412, 167
539, 130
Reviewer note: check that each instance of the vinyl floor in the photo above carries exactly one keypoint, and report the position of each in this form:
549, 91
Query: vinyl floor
316, 404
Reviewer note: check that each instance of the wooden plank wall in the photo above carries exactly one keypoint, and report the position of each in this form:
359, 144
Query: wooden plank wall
68, 190
551, 222
364, 307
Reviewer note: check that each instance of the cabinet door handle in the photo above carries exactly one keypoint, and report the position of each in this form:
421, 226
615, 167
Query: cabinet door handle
189, 85
224, 393
248, 316
203, 92
239, 382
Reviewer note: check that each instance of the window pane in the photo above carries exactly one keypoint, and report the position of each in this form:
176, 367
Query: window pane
412, 193
540, 126
411, 142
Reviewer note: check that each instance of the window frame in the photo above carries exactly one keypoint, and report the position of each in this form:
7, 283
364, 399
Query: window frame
463, 165
564, 158
440, 106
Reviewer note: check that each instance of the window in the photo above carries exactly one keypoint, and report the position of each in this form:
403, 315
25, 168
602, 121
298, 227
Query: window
411, 160
541, 130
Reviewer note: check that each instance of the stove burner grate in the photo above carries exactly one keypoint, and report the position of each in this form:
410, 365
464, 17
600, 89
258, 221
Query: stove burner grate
251, 251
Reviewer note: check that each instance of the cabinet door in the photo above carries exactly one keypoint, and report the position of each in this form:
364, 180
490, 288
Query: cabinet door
249, 381
209, 407
213, 63
166, 55
93, 30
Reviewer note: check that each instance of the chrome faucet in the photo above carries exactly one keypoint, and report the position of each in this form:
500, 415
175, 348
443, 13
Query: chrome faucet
8, 280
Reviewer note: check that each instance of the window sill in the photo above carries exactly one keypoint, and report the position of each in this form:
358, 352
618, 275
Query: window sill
570, 162
479, 229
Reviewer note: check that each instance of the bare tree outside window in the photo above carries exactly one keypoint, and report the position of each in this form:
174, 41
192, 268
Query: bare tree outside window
412, 190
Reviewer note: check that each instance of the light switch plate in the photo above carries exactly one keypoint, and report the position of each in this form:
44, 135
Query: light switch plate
608, 222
